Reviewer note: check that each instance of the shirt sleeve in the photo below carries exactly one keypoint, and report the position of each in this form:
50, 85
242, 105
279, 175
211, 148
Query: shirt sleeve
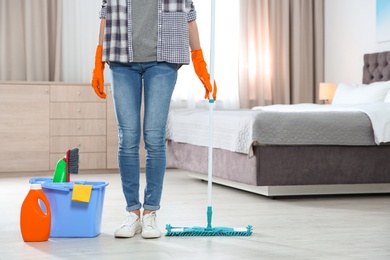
191, 14
103, 10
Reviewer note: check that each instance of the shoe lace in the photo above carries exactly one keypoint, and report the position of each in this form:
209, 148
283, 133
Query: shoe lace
150, 220
129, 220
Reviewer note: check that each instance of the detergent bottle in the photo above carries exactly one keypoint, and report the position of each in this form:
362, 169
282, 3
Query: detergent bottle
35, 219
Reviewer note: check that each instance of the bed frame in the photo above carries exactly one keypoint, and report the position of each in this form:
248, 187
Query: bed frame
297, 170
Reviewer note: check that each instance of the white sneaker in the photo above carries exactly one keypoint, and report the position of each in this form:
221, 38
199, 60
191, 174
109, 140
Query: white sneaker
149, 226
131, 226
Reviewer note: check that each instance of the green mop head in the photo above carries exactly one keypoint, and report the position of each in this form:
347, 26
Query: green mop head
216, 231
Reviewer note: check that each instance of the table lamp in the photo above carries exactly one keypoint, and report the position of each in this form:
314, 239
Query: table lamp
327, 91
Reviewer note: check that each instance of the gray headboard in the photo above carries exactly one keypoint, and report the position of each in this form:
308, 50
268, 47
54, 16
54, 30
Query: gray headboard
376, 67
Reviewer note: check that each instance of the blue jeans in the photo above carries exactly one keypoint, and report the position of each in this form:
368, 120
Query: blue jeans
157, 81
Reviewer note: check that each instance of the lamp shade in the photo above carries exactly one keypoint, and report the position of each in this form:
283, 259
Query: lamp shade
327, 91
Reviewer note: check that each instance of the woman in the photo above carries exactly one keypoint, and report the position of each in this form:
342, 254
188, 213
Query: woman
145, 42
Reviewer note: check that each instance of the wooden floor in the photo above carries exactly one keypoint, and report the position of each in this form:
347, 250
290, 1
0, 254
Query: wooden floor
331, 227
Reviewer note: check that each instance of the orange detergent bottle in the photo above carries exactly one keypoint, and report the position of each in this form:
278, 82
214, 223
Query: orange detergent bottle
34, 221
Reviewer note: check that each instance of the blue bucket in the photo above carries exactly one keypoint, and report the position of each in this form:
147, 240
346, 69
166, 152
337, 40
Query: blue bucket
72, 218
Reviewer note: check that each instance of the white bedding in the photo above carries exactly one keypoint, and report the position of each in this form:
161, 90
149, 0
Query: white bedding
233, 129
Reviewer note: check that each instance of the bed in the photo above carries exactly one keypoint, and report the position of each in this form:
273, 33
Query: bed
303, 149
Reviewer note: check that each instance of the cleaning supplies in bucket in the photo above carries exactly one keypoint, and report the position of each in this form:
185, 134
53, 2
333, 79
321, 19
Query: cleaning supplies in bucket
35, 221
69, 164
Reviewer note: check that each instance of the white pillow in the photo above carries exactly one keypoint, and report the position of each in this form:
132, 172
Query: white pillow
387, 98
361, 93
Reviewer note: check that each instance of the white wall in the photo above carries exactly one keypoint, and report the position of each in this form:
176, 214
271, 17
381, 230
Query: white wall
350, 32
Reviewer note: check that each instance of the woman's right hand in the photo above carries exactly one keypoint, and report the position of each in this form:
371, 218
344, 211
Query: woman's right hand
200, 68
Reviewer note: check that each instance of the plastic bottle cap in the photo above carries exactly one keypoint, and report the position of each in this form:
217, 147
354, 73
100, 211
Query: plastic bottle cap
35, 186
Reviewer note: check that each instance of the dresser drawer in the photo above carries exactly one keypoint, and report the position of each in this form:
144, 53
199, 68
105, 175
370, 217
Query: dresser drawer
73, 93
71, 127
92, 110
86, 161
60, 144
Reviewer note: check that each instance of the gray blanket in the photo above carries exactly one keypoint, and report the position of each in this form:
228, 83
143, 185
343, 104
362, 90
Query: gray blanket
313, 128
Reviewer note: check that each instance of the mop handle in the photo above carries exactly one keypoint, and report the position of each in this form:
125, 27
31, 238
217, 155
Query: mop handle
212, 47
211, 102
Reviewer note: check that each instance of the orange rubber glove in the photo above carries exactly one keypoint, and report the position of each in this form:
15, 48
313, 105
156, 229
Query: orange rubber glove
97, 74
201, 70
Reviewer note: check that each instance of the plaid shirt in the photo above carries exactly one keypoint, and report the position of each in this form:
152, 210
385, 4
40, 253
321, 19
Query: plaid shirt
173, 36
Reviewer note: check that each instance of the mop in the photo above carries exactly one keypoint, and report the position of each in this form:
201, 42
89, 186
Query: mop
209, 230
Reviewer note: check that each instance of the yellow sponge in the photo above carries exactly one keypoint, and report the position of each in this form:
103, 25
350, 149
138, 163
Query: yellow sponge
81, 192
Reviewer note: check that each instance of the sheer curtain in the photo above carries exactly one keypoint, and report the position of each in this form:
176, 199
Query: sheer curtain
282, 51
189, 91
30, 40
80, 25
